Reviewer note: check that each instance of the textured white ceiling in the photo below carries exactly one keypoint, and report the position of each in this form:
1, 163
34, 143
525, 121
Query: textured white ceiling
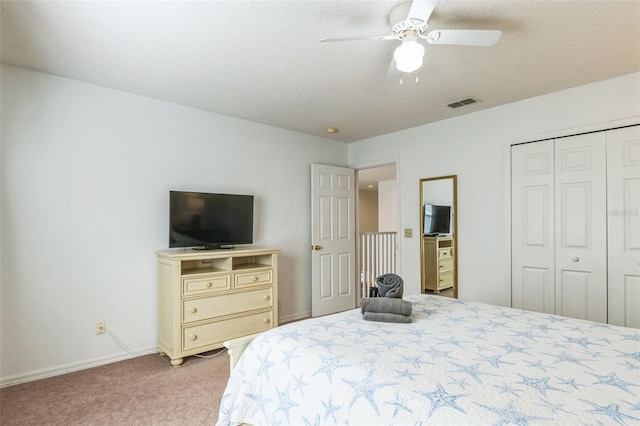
262, 60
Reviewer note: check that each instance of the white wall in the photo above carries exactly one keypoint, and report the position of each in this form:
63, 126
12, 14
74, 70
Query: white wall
387, 206
438, 192
367, 211
86, 174
475, 147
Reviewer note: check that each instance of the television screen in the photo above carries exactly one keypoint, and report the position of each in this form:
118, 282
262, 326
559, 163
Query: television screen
437, 219
209, 220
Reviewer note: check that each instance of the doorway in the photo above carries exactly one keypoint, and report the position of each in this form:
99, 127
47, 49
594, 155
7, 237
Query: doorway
377, 224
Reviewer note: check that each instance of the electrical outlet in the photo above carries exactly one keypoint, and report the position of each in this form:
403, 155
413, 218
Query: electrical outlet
408, 232
101, 327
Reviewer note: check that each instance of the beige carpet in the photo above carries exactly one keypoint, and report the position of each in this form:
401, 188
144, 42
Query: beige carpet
141, 391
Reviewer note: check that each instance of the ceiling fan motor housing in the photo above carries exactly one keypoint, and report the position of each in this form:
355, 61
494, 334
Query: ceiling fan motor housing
401, 23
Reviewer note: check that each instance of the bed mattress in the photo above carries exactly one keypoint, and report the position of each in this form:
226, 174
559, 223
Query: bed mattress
456, 363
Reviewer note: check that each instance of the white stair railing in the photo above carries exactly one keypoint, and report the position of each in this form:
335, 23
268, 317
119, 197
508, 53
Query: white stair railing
377, 257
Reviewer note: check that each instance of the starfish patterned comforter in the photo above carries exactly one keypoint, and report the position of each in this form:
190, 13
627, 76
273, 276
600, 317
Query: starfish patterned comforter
456, 363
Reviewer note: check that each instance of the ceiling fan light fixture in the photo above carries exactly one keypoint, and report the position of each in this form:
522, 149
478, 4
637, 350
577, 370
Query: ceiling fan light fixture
409, 56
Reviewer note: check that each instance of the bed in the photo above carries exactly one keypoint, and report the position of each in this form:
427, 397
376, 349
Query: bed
456, 363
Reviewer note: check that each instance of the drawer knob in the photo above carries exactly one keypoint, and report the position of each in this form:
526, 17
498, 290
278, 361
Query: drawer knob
254, 278
209, 284
193, 310
442, 266
576, 259
266, 297
193, 336
267, 320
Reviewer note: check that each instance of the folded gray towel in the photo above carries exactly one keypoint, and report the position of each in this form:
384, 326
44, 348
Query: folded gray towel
386, 317
385, 305
390, 285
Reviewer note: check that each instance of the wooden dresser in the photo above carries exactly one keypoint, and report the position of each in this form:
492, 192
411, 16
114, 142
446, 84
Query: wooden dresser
208, 296
439, 267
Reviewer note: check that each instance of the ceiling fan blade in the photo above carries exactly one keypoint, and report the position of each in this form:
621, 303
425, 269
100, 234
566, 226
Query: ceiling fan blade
421, 9
384, 37
464, 37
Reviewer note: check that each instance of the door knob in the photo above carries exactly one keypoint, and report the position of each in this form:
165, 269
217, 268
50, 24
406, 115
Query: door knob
316, 247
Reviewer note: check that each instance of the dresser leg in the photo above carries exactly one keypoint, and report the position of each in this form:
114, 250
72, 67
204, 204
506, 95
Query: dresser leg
177, 362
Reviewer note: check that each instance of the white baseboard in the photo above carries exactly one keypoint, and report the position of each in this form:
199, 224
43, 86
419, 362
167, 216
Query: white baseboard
74, 366
95, 362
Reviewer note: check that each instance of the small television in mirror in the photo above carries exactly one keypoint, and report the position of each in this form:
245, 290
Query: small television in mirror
437, 220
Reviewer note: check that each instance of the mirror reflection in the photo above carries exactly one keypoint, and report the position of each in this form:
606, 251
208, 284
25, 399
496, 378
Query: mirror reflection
438, 235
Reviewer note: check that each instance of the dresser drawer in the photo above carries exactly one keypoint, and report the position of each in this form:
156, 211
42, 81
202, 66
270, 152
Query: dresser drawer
219, 331
445, 280
225, 304
445, 265
206, 284
445, 252
253, 278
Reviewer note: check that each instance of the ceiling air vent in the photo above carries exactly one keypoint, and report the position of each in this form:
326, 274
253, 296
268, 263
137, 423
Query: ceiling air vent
463, 102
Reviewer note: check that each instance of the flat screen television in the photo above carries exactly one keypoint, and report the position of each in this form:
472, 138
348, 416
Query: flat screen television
209, 221
437, 219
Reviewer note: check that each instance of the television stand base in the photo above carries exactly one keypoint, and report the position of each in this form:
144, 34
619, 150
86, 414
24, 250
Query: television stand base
215, 247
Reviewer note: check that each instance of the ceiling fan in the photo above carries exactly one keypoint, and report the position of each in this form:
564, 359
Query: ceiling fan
409, 23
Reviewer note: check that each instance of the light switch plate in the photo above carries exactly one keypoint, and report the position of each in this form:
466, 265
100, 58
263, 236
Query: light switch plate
408, 232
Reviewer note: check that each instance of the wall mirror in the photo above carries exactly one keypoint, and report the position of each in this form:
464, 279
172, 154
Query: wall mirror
439, 236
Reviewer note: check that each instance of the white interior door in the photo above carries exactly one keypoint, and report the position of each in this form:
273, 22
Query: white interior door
623, 214
333, 239
581, 227
532, 206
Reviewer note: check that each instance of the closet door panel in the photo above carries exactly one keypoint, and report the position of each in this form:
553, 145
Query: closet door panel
575, 218
631, 212
537, 295
623, 213
631, 312
580, 227
532, 260
576, 298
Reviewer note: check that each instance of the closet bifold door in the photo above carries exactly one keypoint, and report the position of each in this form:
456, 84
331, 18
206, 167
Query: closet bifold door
623, 214
581, 227
532, 232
